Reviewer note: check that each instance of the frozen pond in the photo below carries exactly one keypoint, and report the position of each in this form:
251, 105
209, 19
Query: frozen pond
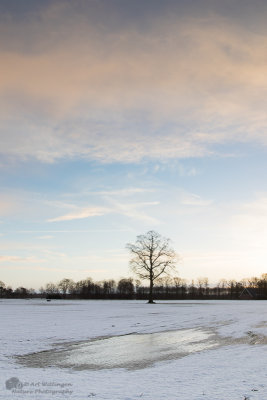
126, 350
132, 351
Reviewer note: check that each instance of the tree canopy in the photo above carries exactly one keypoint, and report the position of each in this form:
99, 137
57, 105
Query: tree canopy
152, 256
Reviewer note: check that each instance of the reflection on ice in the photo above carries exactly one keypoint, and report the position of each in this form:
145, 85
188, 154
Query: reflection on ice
129, 351
137, 350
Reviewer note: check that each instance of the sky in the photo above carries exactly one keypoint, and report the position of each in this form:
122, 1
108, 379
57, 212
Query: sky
118, 117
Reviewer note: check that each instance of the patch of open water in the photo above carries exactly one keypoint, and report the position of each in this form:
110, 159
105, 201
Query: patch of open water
132, 351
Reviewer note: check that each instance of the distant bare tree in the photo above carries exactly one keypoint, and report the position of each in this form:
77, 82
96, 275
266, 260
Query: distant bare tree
253, 282
202, 284
51, 288
178, 282
32, 292
222, 283
180, 286
84, 288
2, 288
152, 256
66, 285
21, 292
126, 288
108, 287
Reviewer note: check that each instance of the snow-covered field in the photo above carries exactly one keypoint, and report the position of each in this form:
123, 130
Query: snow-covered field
183, 350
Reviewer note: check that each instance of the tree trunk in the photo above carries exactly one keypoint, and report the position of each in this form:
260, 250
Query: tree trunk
150, 298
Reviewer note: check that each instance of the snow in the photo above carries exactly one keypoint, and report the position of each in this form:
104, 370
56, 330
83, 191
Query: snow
180, 350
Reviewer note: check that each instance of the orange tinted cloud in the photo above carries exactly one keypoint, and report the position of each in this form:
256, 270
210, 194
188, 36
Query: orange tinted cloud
188, 83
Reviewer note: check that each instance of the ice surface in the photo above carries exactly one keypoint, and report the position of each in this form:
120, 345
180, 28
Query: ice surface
131, 351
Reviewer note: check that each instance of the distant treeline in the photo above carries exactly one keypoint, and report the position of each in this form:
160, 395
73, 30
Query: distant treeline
127, 288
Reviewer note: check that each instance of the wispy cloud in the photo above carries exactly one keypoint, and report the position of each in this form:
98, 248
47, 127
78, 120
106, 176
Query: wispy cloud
75, 231
18, 259
136, 211
132, 210
191, 199
123, 192
82, 213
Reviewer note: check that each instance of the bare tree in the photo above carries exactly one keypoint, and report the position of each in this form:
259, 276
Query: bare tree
178, 282
180, 286
108, 287
126, 288
152, 257
2, 288
51, 288
202, 284
66, 285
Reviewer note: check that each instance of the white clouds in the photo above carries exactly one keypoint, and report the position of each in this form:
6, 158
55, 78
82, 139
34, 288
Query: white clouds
9, 258
18, 259
81, 204
172, 91
125, 209
81, 214
191, 199
215, 238
167, 86
123, 192
122, 201
135, 211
